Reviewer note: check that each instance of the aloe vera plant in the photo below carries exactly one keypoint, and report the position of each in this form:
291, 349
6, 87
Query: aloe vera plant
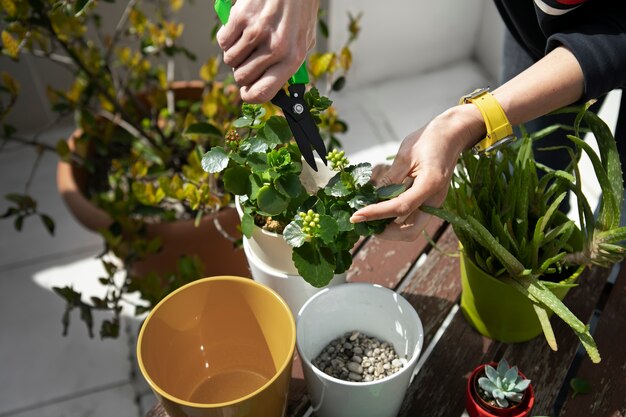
507, 218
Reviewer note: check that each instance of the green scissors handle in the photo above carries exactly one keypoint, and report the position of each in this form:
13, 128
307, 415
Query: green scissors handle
222, 8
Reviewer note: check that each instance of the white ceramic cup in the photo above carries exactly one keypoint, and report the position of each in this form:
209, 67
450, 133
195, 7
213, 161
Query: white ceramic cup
370, 309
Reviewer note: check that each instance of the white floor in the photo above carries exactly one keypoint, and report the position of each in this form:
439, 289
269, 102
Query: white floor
45, 374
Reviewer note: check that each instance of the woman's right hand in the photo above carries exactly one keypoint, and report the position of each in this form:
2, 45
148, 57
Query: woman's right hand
265, 42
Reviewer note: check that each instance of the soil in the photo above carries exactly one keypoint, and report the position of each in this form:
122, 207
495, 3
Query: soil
269, 224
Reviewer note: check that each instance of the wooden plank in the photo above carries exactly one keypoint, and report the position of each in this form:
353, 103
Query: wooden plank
434, 287
386, 262
608, 378
298, 400
547, 369
438, 390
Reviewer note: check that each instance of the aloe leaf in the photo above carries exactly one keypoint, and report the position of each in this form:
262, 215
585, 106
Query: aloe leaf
532, 287
585, 215
613, 235
544, 320
540, 227
482, 235
610, 210
550, 261
608, 152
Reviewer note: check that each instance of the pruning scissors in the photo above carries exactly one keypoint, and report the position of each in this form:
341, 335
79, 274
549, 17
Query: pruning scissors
294, 108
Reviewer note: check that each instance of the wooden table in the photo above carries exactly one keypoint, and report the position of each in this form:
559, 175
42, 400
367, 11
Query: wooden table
429, 279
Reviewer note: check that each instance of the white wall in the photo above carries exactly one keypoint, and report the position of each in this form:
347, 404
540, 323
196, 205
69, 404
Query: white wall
402, 38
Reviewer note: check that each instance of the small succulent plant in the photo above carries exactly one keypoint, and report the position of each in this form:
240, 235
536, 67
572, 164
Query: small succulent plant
503, 384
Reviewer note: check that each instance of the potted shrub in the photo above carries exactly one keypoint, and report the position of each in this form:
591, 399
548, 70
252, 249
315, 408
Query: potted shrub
263, 166
498, 390
520, 254
134, 163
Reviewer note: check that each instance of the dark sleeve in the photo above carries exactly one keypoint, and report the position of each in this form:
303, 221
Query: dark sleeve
599, 44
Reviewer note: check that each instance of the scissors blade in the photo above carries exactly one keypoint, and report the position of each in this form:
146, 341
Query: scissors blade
301, 123
313, 135
302, 142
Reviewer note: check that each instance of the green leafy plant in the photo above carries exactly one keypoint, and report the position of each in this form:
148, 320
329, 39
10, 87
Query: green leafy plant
508, 219
263, 166
141, 138
503, 384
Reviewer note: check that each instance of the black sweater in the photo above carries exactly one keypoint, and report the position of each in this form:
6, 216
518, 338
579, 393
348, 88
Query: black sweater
593, 30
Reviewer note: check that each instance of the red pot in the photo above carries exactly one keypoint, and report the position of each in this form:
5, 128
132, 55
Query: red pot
476, 406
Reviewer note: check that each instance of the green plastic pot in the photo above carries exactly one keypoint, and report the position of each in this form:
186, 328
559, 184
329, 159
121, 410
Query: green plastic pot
497, 310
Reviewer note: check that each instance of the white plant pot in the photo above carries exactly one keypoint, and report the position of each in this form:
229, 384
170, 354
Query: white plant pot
291, 287
270, 248
372, 310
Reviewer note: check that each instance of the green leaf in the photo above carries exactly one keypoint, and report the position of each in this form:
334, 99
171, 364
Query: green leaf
339, 83
48, 223
390, 191
258, 162
236, 180
339, 185
79, 6
361, 200
343, 261
271, 201
247, 225
18, 223
255, 186
315, 265
328, 229
276, 131
323, 27
579, 386
342, 218
203, 129
215, 160
294, 235
289, 185
243, 122
361, 173
253, 145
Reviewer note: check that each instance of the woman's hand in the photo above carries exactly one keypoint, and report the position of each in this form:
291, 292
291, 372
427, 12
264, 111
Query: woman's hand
265, 42
426, 157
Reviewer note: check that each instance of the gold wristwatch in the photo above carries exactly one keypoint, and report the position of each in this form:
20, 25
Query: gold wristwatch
499, 130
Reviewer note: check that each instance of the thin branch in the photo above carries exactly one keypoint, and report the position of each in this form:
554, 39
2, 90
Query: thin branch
119, 28
33, 169
105, 92
56, 58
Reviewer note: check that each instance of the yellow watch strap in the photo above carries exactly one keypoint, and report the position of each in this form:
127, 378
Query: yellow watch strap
498, 127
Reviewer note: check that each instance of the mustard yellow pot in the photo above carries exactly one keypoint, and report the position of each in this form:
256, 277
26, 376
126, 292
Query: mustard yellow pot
220, 346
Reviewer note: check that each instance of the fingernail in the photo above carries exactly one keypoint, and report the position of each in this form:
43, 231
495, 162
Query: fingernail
357, 218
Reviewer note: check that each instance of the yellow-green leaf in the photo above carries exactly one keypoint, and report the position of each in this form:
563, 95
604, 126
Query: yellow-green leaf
63, 150
10, 84
175, 5
345, 58
10, 44
321, 63
209, 70
8, 6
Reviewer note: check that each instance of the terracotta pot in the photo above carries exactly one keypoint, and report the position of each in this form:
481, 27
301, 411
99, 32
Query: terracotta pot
179, 238
477, 407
